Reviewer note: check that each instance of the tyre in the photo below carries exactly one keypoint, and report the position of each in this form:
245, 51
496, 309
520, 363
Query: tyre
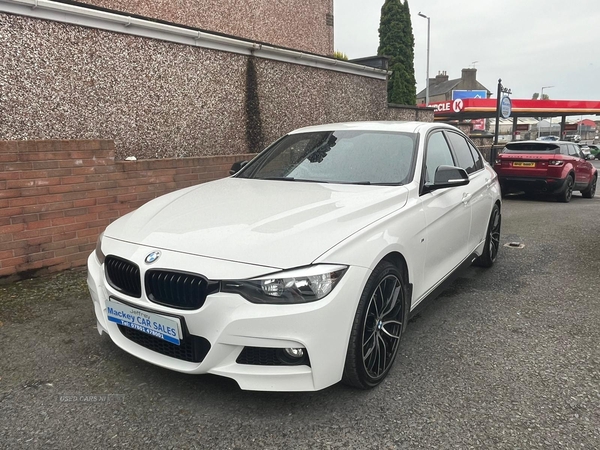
492, 240
377, 328
590, 191
567, 193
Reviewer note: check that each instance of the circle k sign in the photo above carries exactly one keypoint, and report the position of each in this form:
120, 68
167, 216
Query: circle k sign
454, 106
457, 105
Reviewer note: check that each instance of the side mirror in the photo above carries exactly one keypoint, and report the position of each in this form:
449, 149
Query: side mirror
237, 166
448, 176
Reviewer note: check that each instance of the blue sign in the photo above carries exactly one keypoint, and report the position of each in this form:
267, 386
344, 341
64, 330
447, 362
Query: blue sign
505, 107
468, 94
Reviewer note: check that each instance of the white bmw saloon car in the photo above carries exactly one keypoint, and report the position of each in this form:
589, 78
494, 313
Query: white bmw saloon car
301, 269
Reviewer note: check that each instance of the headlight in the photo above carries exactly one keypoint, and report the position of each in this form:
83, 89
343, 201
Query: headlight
99, 253
303, 285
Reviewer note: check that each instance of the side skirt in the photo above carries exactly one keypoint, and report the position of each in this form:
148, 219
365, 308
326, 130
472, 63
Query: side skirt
443, 285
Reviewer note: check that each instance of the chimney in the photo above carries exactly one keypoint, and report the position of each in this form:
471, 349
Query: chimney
469, 76
440, 78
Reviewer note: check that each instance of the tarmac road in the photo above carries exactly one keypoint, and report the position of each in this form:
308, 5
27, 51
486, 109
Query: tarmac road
506, 358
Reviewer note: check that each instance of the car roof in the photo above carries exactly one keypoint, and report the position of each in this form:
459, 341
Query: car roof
406, 127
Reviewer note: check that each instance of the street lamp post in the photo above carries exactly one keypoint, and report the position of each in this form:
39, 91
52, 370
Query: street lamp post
542, 94
428, 41
542, 98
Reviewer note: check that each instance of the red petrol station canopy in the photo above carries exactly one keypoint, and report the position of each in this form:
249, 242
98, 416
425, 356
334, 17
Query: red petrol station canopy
481, 108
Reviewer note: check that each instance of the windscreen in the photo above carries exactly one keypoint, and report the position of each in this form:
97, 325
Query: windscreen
352, 157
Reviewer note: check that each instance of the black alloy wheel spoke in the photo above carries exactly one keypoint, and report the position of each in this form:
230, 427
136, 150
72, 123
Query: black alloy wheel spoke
371, 346
391, 334
383, 364
392, 298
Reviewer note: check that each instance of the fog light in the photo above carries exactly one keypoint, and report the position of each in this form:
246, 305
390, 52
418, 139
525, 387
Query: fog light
294, 352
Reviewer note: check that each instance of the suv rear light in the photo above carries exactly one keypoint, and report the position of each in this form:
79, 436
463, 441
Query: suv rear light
556, 163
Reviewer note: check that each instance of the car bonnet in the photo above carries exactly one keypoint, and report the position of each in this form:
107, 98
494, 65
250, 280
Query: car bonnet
272, 223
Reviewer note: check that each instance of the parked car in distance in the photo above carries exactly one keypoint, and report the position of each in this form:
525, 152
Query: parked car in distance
586, 151
302, 268
548, 138
573, 137
594, 150
558, 168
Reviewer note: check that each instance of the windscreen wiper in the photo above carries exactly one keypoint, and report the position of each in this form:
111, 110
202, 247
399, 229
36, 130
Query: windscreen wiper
292, 179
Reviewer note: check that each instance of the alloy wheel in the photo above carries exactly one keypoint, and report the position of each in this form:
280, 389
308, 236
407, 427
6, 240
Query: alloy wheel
569, 192
382, 327
494, 234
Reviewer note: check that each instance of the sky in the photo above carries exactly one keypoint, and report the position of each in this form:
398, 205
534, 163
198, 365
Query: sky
527, 43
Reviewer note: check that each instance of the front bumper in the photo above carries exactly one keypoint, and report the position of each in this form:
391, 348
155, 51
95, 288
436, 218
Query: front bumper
230, 323
550, 185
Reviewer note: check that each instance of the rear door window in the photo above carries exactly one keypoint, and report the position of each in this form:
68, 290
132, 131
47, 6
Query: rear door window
573, 151
476, 156
462, 152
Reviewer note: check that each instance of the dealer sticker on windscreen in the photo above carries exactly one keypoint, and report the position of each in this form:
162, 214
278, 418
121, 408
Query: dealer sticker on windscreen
166, 328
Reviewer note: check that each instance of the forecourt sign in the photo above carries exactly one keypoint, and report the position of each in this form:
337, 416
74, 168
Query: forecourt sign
505, 107
453, 106
480, 108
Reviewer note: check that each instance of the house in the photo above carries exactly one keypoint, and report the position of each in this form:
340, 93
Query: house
441, 87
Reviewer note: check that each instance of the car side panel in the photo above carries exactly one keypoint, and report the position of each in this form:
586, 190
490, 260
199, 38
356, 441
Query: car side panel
448, 217
403, 231
482, 184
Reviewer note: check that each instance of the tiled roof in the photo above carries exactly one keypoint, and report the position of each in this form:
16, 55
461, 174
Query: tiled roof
441, 88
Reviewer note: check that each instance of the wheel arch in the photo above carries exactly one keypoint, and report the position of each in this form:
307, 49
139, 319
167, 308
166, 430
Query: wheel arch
397, 259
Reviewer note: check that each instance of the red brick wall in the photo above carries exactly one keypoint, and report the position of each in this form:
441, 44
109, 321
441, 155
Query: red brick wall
56, 197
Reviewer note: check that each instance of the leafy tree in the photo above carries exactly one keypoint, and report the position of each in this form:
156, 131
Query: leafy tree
340, 55
396, 41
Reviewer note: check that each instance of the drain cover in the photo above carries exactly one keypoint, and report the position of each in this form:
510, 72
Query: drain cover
514, 245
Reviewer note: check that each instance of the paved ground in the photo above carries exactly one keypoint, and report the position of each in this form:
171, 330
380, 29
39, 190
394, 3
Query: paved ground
506, 358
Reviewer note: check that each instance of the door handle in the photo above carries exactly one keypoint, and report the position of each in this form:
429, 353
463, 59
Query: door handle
466, 198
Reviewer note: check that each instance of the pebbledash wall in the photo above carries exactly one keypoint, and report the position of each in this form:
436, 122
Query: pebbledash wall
305, 25
75, 101
160, 99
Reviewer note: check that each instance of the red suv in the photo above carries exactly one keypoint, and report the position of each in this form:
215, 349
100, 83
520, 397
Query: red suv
555, 167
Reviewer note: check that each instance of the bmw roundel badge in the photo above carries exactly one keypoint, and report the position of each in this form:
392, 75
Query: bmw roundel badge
152, 257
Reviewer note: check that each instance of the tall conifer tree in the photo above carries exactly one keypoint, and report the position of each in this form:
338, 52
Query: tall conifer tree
396, 41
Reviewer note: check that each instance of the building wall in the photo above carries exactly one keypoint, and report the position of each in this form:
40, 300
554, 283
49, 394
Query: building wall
157, 99
300, 25
76, 101
56, 197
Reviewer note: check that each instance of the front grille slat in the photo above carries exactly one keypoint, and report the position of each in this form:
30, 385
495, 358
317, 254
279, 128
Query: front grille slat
176, 289
123, 275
